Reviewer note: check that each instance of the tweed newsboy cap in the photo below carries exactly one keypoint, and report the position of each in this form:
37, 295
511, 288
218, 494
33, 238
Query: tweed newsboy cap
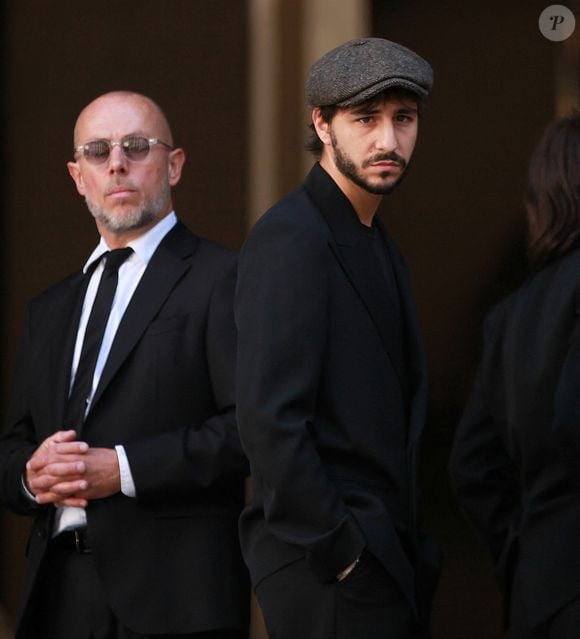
359, 69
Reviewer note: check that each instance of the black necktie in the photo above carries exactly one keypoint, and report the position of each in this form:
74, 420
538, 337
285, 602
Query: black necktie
81, 390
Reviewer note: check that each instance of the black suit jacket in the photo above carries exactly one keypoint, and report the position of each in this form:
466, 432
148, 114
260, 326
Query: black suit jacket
169, 559
328, 416
515, 462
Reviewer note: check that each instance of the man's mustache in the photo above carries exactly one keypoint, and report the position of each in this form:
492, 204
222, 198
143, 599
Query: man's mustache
118, 183
389, 157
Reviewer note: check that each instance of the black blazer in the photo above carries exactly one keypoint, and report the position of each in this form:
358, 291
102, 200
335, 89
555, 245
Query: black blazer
169, 560
515, 461
329, 416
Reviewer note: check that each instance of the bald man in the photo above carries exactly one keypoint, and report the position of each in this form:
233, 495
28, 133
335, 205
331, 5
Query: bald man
121, 441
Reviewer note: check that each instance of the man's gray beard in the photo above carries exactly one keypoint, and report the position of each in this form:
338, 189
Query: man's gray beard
133, 219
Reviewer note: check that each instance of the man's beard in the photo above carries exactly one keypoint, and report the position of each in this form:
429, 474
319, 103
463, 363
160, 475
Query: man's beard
134, 218
349, 169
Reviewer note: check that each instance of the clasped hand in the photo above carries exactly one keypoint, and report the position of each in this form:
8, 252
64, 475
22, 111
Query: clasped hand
66, 472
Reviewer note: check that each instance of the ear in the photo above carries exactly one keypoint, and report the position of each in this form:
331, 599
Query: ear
176, 161
76, 175
321, 126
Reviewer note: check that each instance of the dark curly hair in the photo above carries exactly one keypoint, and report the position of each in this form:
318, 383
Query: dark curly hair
314, 144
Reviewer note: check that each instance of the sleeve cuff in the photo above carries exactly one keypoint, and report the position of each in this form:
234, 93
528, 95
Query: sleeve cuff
127, 484
26, 491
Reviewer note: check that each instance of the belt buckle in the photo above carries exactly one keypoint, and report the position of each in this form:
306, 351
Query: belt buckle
80, 545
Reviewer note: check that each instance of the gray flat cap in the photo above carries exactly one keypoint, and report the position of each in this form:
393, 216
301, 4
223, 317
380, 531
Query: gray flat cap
360, 69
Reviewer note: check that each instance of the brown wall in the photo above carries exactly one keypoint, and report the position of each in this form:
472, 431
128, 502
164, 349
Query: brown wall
458, 219
190, 56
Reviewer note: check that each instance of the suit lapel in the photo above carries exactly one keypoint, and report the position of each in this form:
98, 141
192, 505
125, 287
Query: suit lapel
361, 269
358, 263
166, 268
66, 318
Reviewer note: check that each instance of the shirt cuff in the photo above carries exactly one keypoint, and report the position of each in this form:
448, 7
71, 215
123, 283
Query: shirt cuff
26, 491
127, 484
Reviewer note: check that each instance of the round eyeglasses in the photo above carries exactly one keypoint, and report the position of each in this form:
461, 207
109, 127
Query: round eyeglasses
135, 148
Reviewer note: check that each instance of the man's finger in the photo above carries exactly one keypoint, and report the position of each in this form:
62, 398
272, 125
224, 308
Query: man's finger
63, 436
59, 465
61, 491
70, 448
75, 502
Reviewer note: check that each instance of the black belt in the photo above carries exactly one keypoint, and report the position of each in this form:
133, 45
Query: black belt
76, 540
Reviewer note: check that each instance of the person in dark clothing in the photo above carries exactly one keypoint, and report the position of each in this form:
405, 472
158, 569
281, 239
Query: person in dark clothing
331, 371
514, 462
121, 440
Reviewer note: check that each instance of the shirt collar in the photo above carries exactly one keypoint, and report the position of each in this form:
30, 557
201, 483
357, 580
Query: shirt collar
143, 246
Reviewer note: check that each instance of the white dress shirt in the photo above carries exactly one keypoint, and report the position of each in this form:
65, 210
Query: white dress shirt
130, 273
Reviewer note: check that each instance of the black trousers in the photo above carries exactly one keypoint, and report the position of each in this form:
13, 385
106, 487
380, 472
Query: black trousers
368, 604
69, 603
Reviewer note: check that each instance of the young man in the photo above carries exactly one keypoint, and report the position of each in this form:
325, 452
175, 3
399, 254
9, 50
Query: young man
121, 438
331, 373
